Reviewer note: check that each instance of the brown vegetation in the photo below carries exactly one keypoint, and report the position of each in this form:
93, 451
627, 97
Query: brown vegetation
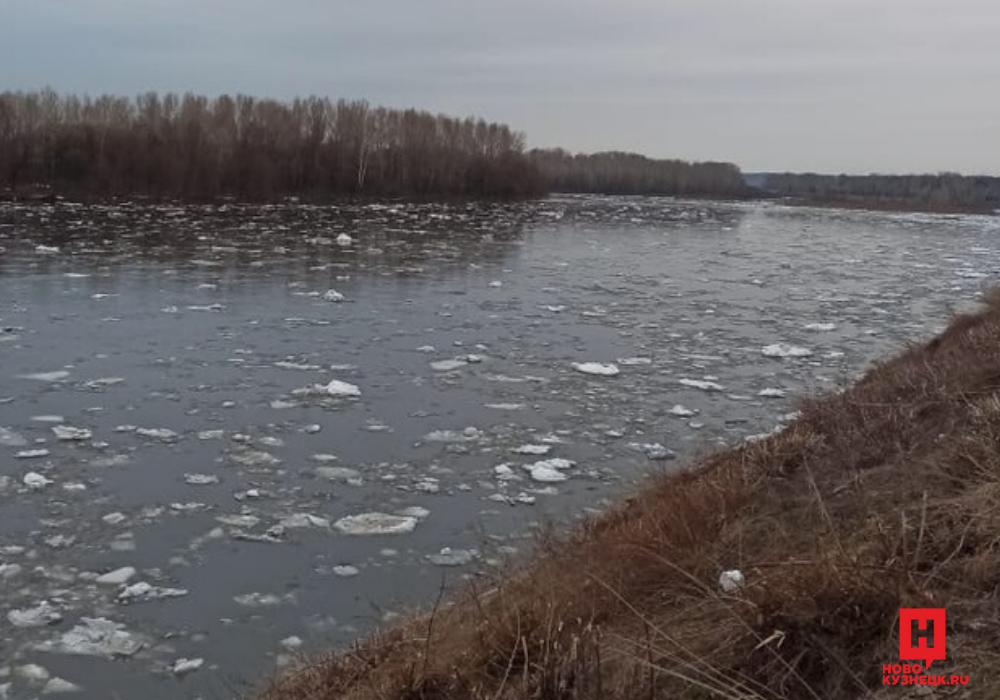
192, 147
884, 496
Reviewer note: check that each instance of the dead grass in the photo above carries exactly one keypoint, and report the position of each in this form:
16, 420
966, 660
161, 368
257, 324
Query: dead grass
884, 496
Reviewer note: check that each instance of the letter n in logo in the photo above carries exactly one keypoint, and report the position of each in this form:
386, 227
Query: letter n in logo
921, 634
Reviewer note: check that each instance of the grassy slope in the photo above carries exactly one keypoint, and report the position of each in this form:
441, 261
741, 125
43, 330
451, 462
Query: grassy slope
881, 497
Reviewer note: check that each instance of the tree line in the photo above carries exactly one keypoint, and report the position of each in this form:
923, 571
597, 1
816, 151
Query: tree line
945, 192
193, 147
616, 172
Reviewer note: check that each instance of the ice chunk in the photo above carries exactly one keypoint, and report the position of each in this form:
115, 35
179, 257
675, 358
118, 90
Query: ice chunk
468, 434
56, 376
56, 686
164, 434
338, 388
633, 361
346, 570
68, 432
143, 591
304, 520
182, 667
41, 615
548, 470
261, 600
600, 369
731, 580
681, 411
338, 473
48, 419
448, 365
254, 458
32, 672
46, 249
238, 520
453, 557
504, 406
344, 240
701, 384
785, 350
34, 480
200, 479
8, 438
376, 524
96, 637
821, 327
333, 295
118, 577
771, 393
532, 449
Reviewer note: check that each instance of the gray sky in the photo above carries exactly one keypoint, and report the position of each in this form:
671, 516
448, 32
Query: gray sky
824, 85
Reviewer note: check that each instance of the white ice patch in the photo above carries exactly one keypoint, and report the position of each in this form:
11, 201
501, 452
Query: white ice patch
682, 411
8, 438
599, 369
504, 406
468, 434
285, 364
376, 524
335, 388
68, 432
453, 557
772, 393
731, 581
56, 376
41, 615
118, 577
532, 450
96, 637
164, 434
448, 365
704, 385
34, 480
58, 686
183, 667
48, 419
634, 361
263, 600
304, 520
200, 479
346, 570
785, 350
821, 327
142, 591
548, 470
344, 240
333, 295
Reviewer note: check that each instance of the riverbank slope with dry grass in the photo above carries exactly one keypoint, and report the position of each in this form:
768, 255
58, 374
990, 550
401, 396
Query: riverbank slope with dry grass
886, 495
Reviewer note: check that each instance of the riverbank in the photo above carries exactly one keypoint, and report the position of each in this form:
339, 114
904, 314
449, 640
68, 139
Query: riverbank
881, 497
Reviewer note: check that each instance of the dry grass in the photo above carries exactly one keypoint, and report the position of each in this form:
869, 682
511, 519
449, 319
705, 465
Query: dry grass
884, 496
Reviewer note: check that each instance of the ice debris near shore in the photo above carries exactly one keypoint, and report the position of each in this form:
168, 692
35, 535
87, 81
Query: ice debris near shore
598, 369
549, 471
376, 524
143, 591
41, 615
785, 350
183, 667
68, 432
96, 637
703, 384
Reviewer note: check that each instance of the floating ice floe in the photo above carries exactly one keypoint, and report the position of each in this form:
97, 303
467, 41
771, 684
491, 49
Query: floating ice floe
682, 411
286, 364
58, 686
344, 240
56, 376
468, 434
376, 524
263, 600
96, 637
731, 580
653, 450
785, 350
504, 406
600, 369
333, 295
32, 673
164, 434
200, 479
142, 591
68, 432
46, 249
41, 615
634, 361
448, 365
254, 458
704, 385
820, 327
532, 450
772, 393
304, 520
345, 570
34, 480
334, 388
8, 438
453, 557
183, 667
118, 577
549, 470
48, 419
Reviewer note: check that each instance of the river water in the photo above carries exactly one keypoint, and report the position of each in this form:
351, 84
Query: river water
196, 403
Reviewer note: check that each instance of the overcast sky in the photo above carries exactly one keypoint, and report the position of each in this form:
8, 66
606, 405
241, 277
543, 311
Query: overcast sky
822, 85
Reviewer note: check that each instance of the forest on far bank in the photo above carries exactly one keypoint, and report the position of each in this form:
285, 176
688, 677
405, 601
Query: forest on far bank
192, 147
